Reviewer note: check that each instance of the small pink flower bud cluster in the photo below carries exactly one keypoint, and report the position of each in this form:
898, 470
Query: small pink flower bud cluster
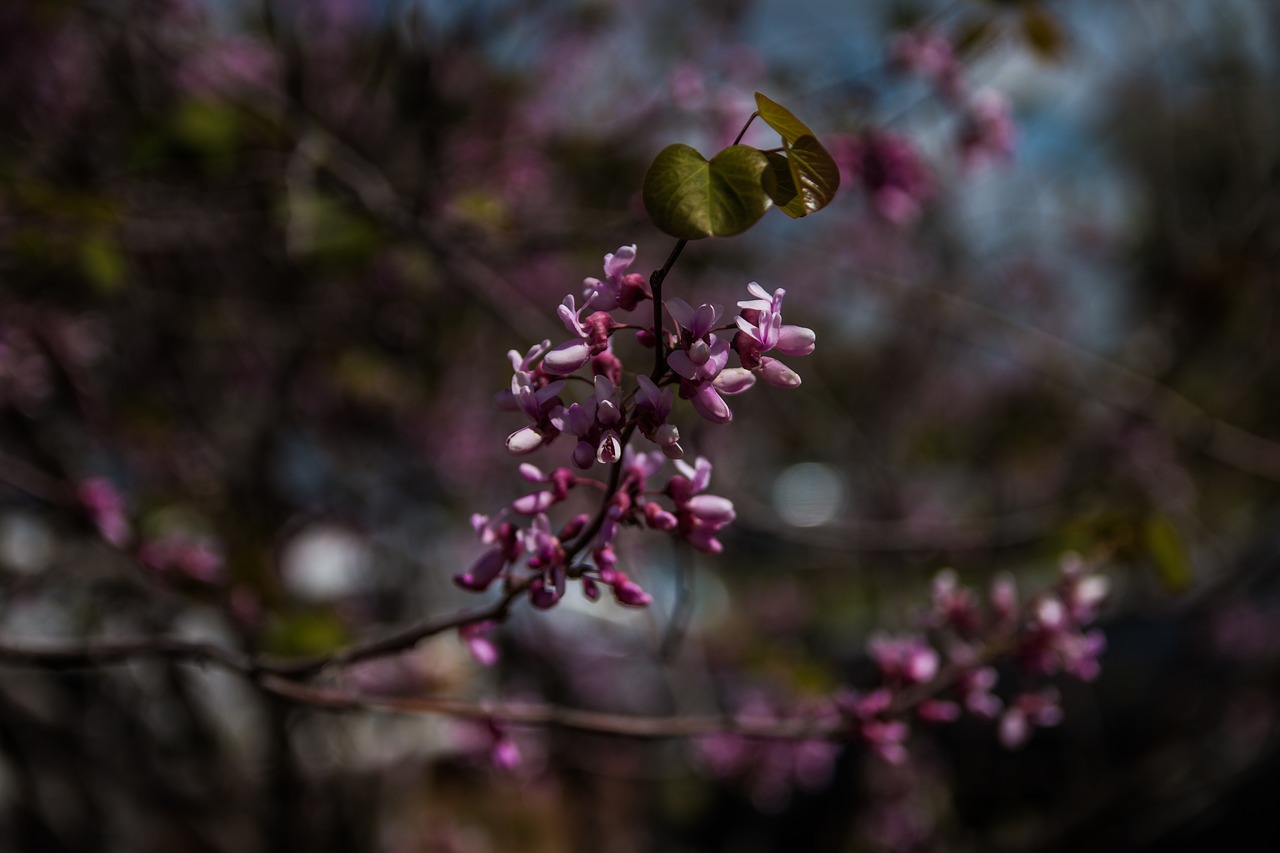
105, 506
195, 557
770, 768
522, 544
1043, 637
889, 169
927, 53
986, 131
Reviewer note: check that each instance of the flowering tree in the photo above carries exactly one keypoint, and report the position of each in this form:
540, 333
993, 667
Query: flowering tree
260, 267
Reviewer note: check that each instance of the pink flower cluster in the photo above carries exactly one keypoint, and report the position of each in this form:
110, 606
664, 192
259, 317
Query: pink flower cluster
987, 130
770, 768
522, 546
927, 53
954, 653
198, 558
891, 171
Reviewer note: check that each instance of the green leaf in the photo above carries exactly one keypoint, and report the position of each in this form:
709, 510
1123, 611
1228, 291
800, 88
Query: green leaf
813, 175
689, 197
784, 181
1167, 552
102, 262
781, 119
305, 632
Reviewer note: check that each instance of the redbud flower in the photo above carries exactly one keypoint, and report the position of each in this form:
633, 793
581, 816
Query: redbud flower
196, 558
988, 131
699, 517
760, 330
504, 548
653, 406
1029, 709
619, 289
106, 507
480, 646
888, 167
572, 354
903, 660
929, 54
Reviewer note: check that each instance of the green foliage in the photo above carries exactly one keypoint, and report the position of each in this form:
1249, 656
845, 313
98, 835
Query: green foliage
102, 262
1167, 552
806, 171
690, 197
305, 632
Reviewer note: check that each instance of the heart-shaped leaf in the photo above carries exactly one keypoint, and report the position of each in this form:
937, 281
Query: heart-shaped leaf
810, 178
781, 119
784, 182
690, 197
814, 175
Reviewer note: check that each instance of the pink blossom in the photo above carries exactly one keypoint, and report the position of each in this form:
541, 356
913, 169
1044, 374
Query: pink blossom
619, 289
988, 132
926, 52
475, 635
106, 508
888, 167
197, 558
699, 517
903, 660
1028, 709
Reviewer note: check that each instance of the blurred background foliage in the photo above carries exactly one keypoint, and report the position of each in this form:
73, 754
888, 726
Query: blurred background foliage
259, 266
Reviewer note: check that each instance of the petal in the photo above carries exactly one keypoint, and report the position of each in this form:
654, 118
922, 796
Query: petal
533, 503
681, 363
705, 318
666, 435
711, 406
483, 571
627, 591
796, 340
649, 394
567, 357
1014, 729
680, 311
776, 373
718, 361
734, 380
749, 329
608, 413
616, 263
712, 508
582, 417
527, 400
701, 473
609, 449
568, 314
524, 441
483, 650
584, 455
546, 392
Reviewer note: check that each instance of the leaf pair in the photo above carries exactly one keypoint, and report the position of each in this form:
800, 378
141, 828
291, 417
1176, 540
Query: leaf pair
690, 197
